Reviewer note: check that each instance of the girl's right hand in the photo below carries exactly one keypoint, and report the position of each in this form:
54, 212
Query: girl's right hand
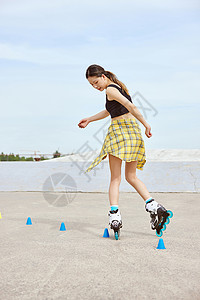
83, 123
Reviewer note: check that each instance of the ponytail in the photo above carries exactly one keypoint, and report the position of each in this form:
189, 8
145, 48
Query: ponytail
114, 78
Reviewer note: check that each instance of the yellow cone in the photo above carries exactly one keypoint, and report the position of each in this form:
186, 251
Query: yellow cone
0, 216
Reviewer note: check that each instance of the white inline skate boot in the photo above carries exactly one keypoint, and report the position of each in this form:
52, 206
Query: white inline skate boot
115, 222
159, 216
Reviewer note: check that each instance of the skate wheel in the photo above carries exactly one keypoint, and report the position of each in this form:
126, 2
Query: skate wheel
167, 221
164, 227
116, 235
159, 234
170, 213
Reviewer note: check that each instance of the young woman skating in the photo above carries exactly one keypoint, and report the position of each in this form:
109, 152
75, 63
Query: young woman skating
123, 142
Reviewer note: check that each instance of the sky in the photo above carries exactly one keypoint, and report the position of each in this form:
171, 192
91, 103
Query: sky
153, 47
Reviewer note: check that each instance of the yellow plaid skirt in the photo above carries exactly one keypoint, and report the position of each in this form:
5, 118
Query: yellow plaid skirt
124, 140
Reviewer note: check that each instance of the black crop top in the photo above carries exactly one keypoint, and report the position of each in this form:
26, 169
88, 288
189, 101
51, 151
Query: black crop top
114, 107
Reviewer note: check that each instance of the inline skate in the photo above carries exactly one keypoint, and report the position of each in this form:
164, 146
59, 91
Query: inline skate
115, 222
160, 217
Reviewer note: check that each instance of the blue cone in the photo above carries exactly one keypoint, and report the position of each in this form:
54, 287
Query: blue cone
29, 222
106, 233
62, 227
161, 244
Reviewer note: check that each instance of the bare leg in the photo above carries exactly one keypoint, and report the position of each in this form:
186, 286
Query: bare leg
115, 180
139, 186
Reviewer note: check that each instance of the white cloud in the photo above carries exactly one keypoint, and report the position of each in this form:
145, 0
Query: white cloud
40, 56
80, 15
11, 7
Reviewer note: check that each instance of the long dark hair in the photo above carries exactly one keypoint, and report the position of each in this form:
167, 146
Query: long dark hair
96, 70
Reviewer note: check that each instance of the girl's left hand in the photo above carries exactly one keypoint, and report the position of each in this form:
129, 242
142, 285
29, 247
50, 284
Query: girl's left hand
148, 131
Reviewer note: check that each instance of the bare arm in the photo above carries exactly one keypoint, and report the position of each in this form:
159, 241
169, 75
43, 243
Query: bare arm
136, 113
101, 115
115, 94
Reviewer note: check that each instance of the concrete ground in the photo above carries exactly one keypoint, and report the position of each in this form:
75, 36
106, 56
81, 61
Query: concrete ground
39, 261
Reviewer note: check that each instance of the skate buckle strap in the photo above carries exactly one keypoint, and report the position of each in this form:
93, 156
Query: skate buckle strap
149, 201
114, 211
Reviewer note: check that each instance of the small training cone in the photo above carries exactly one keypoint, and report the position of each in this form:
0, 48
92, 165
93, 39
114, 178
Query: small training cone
29, 222
62, 227
0, 216
161, 244
106, 233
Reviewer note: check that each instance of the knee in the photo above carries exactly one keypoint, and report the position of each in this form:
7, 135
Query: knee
130, 177
116, 180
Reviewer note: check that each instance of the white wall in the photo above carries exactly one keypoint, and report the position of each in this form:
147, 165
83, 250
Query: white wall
173, 176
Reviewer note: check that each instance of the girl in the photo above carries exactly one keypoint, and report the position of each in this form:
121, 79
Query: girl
123, 142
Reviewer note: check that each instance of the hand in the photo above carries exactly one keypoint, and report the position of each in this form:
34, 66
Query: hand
148, 131
84, 122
